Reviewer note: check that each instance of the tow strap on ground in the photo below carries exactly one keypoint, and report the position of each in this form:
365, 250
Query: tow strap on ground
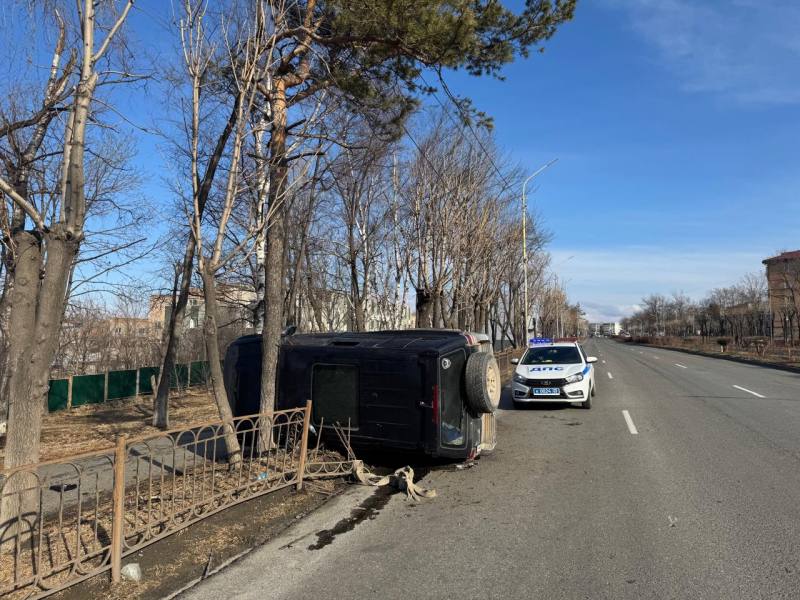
402, 479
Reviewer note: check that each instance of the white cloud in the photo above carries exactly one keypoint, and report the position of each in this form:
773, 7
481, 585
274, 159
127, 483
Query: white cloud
747, 50
608, 313
610, 282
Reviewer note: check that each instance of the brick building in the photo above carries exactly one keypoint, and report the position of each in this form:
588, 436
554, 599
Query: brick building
783, 280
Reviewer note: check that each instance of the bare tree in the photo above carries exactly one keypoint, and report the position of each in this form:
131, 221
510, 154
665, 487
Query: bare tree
199, 59
41, 257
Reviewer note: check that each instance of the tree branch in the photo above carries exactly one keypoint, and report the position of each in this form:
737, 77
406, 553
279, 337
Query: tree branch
29, 209
104, 46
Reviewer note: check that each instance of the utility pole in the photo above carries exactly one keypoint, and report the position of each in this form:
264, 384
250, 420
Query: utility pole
525, 248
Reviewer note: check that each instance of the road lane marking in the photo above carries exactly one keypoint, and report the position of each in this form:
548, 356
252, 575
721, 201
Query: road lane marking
756, 394
629, 421
610, 376
654, 356
681, 366
604, 362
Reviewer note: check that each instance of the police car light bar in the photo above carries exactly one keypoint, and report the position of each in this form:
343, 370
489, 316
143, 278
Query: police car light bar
539, 341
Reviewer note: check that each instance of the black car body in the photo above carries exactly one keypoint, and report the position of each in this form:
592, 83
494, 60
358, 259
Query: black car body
401, 390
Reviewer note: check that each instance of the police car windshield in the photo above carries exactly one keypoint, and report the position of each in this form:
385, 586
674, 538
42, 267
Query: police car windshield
552, 355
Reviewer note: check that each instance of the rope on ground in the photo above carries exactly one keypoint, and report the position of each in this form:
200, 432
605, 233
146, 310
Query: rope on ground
402, 479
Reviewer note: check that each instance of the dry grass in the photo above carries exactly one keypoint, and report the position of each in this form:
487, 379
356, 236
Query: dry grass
96, 426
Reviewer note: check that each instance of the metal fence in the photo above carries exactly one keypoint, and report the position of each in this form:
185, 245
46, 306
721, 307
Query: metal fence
78, 390
64, 521
504, 360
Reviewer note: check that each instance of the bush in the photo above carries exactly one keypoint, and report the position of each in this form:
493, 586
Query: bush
723, 343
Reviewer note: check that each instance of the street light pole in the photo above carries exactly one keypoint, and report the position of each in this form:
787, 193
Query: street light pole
525, 248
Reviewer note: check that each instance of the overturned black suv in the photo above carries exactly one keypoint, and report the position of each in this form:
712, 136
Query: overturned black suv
433, 391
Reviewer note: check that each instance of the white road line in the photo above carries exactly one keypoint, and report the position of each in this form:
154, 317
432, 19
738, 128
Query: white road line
756, 394
610, 376
629, 421
604, 362
681, 366
654, 356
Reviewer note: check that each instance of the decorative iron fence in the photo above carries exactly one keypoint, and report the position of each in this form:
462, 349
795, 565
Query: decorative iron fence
64, 521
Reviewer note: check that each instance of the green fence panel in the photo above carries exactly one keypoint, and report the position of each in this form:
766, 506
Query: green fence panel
121, 384
145, 373
57, 394
199, 372
88, 389
179, 378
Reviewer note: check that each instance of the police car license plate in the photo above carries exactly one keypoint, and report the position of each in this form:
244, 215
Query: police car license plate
546, 392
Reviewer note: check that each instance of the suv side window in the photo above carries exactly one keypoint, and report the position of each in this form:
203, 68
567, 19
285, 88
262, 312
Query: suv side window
453, 427
334, 394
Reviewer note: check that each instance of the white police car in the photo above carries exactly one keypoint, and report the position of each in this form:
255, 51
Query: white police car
554, 371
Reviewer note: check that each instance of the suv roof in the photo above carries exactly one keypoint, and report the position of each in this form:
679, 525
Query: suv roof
416, 339
412, 339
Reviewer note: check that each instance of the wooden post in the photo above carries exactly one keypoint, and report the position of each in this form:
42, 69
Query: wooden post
69, 392
105, 387
138, 377
118, 511
301, 469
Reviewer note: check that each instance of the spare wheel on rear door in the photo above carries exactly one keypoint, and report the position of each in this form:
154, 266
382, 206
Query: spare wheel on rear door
482, 378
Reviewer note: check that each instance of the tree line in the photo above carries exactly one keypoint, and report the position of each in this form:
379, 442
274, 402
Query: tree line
299, 163
739, 312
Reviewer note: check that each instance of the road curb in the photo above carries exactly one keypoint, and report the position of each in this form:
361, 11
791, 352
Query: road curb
736, 359
324, 517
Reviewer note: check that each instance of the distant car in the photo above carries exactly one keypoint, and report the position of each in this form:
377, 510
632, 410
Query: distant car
553, 371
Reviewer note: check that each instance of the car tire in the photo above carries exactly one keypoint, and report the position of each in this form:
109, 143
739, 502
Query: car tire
518, 405
593, 392
483, 383
587, 404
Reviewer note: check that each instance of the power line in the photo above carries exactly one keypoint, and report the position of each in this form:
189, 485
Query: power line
464, 121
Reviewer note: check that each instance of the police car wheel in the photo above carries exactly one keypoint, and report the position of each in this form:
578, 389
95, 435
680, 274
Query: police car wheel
593, 392
588, 402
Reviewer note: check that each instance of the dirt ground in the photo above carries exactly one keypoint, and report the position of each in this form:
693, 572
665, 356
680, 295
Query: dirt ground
170, 564
95, 426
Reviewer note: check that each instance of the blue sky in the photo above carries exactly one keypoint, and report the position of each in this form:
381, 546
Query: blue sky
675, 123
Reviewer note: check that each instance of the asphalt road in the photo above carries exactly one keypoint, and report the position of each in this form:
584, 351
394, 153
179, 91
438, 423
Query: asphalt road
703, 501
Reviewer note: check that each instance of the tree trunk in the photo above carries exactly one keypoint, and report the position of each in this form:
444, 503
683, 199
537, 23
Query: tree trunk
438, 310
357, 299
313, 299
275, 248
424, 308
34, 321
210, 331
175, 326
